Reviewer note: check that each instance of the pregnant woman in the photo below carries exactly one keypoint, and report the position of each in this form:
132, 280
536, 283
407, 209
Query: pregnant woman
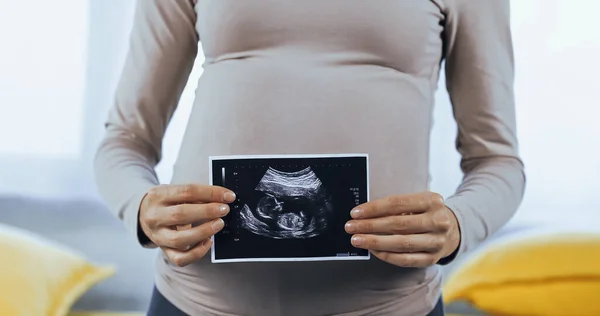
314, 77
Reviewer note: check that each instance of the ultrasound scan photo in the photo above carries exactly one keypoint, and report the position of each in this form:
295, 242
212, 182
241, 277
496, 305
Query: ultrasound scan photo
289, 208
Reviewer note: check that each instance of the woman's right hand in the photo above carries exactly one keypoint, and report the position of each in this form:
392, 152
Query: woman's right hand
168, 208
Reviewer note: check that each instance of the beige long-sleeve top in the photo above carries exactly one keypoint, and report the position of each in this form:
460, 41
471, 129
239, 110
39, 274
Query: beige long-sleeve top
301, 77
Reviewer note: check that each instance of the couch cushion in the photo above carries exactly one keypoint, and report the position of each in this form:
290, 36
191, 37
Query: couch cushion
87, 226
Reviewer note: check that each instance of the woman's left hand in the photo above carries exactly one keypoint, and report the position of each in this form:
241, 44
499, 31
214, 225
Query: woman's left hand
415, 230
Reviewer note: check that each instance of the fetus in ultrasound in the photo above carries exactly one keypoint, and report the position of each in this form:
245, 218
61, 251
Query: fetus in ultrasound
293, 205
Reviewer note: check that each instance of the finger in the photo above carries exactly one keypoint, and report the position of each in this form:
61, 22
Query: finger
183, 227
395, 225
183, 258
185, 239
407, 260
400, 243
190, 193
398, 205
184, 214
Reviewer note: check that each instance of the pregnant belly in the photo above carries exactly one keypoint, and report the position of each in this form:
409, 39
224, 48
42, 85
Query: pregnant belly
259, 108
269, 106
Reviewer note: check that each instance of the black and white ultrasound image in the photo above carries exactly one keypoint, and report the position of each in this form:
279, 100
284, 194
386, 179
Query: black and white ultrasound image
289, 207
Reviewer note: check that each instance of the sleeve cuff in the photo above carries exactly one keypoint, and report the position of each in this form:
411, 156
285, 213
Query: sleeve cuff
132, 219
462, 247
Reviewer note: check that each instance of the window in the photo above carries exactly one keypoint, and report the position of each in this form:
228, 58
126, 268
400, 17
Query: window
43, 77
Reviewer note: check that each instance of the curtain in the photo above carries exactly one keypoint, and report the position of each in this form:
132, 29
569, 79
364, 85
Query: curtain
61, 60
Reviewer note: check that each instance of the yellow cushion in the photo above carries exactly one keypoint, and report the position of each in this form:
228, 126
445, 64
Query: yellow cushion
41, 278
546, 275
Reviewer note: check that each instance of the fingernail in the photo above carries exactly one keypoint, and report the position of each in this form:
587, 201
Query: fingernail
350, 227
229, 196
356, 213
224, 209
217, 225
357, 240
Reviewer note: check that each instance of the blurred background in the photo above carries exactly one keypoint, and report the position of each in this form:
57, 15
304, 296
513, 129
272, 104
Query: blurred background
60, 62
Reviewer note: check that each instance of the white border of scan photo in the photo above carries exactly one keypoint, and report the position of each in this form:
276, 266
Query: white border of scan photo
329, 258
